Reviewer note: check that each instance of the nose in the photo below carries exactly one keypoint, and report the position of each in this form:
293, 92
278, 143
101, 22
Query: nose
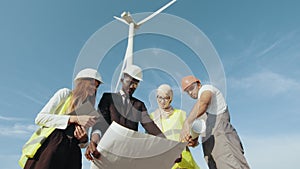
161, 101
133, 85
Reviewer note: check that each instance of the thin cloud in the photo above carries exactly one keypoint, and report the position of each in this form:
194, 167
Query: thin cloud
269, 48
265, 45
10, 118
30, 98
280, 44
266, 82
17, 130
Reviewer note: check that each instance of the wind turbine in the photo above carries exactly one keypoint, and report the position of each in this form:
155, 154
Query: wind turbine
127, 19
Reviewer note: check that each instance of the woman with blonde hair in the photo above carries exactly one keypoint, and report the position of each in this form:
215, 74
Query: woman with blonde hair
170, 121
56, 145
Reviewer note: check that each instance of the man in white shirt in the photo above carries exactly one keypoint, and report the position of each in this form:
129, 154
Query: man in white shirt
222, 147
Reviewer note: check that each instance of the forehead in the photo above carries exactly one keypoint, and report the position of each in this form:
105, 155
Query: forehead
162, 94
191, 87
129, 78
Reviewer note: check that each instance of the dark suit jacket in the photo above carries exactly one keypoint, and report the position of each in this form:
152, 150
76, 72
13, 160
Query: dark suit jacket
112, 108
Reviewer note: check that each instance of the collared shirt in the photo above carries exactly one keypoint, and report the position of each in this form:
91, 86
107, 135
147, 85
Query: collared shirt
123, 94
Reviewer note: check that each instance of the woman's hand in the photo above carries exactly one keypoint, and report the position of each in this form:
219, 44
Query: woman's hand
80, 134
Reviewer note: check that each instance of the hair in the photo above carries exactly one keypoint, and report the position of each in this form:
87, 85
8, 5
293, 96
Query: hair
166, 89
80, 93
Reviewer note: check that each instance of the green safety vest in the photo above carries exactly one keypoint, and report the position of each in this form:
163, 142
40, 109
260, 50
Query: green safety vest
39, 136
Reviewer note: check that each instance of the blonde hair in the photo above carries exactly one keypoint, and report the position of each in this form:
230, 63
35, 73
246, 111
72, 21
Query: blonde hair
80, 93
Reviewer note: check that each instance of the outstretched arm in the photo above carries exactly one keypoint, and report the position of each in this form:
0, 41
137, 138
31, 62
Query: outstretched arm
198, 110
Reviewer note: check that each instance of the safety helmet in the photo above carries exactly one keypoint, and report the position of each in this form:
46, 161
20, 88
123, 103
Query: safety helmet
134, 71
187, 81
89, 73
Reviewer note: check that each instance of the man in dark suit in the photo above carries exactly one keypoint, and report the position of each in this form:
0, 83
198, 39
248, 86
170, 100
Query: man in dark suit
122, 108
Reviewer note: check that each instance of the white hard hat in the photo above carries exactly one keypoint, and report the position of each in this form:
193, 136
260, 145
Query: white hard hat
134, 71
89, 73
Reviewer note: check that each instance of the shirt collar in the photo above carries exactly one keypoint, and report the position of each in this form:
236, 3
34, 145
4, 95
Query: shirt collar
122, 93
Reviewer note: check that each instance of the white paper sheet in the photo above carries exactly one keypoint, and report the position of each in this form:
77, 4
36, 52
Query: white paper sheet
122, 148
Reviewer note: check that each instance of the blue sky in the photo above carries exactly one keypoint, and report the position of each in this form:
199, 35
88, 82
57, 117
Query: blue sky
257, 43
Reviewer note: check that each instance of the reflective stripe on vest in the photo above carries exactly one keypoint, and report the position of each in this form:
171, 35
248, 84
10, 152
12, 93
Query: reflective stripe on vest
39, 136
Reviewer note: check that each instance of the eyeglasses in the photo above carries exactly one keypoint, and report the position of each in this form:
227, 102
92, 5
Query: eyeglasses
165, 99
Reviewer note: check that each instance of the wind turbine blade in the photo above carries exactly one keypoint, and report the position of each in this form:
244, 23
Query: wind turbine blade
155, 13
120, 19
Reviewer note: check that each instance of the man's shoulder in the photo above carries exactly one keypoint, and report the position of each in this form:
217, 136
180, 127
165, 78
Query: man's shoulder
136, 99
207, 87
210, 87
109, 95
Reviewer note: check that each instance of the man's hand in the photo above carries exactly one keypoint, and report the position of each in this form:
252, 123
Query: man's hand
193, 142
185, 132
91, 151
178, 160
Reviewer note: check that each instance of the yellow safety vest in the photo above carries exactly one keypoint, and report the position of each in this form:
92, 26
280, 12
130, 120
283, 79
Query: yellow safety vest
39, 136
171, 127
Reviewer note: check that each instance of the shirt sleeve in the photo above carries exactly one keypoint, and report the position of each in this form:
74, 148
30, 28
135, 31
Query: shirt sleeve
47, 116
104, 115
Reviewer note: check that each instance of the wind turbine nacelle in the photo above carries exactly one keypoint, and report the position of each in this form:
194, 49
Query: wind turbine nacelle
127, 17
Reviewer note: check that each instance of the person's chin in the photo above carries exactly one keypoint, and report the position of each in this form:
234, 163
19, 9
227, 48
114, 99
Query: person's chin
130, 92
163, 107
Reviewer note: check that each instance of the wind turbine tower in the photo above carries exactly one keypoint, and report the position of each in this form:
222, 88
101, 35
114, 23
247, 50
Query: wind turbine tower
127, 19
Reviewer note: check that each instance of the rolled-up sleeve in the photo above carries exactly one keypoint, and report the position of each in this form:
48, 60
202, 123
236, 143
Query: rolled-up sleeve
104, 119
